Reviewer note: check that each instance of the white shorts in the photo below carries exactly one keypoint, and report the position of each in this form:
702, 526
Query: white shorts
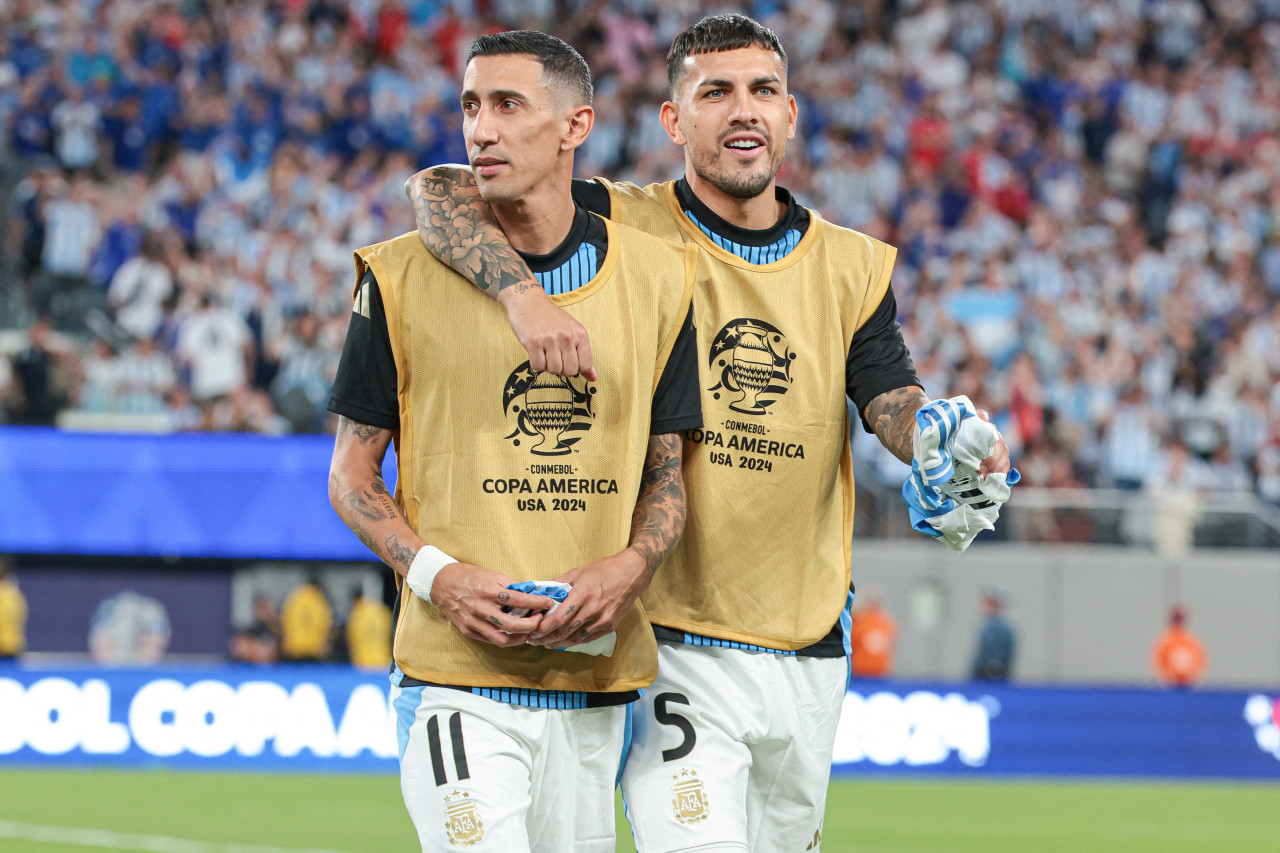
732, 750
482, 775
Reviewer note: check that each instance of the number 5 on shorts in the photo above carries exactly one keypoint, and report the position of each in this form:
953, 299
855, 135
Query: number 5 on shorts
437, 754
667, 718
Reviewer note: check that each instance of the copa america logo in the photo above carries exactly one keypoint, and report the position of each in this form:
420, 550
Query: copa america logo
550, 409
1263, 713
754, 361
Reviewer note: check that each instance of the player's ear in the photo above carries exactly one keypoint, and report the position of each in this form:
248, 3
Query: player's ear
670, 117
792, 114
581, 120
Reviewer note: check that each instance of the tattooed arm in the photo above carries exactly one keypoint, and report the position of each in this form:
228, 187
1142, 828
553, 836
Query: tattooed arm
361, 498
604, 591
471, 597
458, 227
893, 416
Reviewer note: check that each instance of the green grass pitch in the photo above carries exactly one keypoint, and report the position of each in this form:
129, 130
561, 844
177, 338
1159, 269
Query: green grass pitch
75, 811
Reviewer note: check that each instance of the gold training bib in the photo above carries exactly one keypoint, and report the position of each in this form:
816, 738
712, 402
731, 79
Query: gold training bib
766, 552
525, 473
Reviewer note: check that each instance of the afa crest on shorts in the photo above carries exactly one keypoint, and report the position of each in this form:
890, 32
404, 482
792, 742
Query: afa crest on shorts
462, 820
752, 360
689, 797
552, 412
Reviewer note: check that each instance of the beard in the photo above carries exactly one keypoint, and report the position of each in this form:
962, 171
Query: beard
735, 182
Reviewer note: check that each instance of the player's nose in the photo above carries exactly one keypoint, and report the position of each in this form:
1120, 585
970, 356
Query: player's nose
743, 111
484, 130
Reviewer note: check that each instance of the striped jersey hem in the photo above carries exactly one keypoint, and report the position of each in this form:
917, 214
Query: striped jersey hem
559, 700
717, 643
752, 254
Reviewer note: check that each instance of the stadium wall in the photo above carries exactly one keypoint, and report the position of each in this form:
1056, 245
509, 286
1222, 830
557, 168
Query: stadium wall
1082, 614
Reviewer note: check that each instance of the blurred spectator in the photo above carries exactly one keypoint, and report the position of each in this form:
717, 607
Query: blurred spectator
1175, 491
993, 660
872, 635
40, 389
100, 387
71, 233
216, 346
301, 388
146, 378
126, 135
24, 240
140, 289
1178, 656
306, 623
260, 642
368, 633
13, 614
1131, 441
75, 121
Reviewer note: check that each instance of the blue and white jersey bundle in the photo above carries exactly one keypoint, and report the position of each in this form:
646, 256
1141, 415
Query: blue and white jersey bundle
558, 592
946, 496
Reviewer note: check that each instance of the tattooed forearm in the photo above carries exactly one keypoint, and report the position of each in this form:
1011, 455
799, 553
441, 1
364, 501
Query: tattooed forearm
658, 518
893, 416
361, 498
374, 503
458, 227
381, 498
361, 507
398, 554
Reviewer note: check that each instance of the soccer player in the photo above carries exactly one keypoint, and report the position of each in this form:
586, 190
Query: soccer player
519, 475
732, 744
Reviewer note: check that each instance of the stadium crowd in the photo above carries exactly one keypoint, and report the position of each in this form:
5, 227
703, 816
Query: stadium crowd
1085, 195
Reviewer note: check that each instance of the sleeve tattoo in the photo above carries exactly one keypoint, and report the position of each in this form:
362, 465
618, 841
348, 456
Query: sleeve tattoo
458, 227
658, 519
893, 416
365, 503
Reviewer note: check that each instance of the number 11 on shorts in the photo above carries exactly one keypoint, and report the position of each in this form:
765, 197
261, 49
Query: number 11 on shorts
437, 754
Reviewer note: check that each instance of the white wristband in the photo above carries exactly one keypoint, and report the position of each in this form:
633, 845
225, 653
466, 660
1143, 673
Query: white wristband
426, 564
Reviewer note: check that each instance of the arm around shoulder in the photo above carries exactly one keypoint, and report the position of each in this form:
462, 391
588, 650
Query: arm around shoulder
458, 227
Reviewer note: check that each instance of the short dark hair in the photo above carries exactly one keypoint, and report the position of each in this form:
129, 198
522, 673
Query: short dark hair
719, 33
562, 66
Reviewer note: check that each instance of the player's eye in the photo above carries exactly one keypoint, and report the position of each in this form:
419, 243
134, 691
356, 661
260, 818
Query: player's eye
766, 90
469, 106
715, 94
509, 104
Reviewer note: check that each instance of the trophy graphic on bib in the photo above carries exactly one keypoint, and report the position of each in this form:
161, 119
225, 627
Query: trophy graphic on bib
752, 367
751, 358
548, 406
